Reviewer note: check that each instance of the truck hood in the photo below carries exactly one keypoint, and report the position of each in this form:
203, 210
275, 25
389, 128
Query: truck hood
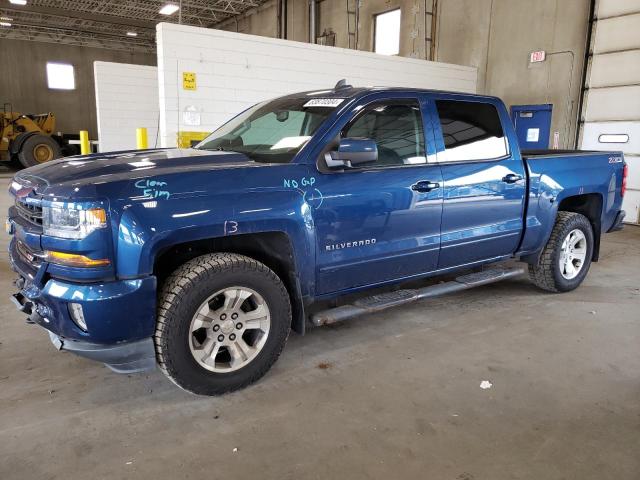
108, 167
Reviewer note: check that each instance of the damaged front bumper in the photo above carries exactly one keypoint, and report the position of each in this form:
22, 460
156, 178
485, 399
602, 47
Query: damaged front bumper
119, 316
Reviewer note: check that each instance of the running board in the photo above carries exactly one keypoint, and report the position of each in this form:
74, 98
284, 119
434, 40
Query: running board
382, 301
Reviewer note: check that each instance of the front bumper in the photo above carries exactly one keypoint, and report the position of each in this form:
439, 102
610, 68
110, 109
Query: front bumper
120, 315
131, 357
122, 357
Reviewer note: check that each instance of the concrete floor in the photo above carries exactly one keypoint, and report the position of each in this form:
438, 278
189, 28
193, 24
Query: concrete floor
393, 395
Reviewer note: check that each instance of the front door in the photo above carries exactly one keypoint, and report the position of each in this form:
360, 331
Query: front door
484, 183
380, 222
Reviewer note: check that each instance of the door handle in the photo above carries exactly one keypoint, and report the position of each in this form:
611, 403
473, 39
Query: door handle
511, 178
424, 186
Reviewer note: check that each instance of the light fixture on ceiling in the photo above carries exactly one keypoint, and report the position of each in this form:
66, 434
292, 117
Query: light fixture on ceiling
168, 9
18, 2
132, 34
4, 24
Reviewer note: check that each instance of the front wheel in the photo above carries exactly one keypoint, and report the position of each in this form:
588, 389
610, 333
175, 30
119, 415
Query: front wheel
566, 258
223, 320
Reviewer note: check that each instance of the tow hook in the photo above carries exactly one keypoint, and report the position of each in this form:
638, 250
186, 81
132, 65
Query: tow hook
35, 318
21, 303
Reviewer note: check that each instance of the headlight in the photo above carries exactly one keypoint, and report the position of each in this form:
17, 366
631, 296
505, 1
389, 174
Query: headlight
72, 221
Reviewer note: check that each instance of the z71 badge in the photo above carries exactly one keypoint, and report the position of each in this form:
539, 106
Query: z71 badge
615, 159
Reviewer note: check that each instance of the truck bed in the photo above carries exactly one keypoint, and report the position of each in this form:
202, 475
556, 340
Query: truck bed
555, 175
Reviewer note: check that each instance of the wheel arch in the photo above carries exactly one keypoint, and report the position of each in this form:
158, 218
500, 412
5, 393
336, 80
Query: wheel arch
16, 144
589, 205
274, 249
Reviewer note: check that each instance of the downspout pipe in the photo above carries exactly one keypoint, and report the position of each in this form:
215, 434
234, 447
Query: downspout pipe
585, 67
312, 21
283, 19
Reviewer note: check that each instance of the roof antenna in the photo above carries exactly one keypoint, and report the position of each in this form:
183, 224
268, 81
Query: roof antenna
342, 84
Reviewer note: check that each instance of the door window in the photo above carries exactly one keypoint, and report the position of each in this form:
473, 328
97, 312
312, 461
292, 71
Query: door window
397, 130
471, 131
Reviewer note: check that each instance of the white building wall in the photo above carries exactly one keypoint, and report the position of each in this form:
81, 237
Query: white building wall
234, 71
126, 99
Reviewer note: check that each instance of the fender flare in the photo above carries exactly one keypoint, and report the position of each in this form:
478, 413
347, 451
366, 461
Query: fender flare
16, 145
130, 253
533, 257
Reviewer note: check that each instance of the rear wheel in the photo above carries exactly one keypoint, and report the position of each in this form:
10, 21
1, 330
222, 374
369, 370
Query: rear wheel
38, 149
566, 259
223, 320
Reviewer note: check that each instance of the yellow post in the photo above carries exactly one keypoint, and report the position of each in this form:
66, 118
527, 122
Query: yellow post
85, 146
141, 138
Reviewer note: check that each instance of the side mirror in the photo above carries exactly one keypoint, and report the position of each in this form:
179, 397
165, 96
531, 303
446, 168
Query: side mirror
352, 151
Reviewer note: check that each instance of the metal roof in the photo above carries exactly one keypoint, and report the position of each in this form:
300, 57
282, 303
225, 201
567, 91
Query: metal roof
105, 23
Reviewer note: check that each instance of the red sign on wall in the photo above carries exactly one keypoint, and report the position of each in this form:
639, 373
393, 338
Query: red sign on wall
538, 56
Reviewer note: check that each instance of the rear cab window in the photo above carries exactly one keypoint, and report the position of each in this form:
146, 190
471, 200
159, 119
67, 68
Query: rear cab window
471, 131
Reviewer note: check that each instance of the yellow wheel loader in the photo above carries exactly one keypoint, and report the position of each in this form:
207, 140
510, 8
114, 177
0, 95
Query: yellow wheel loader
29, 139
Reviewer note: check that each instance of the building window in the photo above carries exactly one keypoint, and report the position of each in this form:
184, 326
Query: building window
60, 76
613, 138
387, 33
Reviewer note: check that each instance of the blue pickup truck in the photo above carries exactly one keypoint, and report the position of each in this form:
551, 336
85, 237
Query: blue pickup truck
202, 260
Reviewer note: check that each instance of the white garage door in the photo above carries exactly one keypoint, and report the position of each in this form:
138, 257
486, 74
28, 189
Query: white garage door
612, 103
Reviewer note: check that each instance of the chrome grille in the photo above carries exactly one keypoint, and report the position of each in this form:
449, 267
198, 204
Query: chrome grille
32, 213
32, 258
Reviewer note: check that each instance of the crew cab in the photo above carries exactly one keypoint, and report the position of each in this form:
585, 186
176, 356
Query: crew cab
201, 260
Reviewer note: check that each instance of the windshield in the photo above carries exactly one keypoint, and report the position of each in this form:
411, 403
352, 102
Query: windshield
269, 132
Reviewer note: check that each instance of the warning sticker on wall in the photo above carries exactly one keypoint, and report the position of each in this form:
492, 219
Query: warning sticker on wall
189, 80
533, 134
191, 116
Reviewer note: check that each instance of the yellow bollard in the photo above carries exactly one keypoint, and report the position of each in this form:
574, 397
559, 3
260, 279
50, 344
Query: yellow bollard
85, 146
141, 138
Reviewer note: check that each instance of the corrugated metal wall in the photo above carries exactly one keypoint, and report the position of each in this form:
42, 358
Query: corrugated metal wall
612, 103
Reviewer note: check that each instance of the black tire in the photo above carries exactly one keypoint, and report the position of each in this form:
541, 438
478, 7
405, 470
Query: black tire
546, 274
38, 149
184, 292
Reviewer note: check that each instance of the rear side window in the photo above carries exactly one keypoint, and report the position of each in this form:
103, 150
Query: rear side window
471, 131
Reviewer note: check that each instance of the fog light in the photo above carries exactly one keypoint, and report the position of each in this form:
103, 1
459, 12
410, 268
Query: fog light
77, 315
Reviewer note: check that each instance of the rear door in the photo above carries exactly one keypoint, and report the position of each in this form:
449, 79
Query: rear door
484, 182
380, 222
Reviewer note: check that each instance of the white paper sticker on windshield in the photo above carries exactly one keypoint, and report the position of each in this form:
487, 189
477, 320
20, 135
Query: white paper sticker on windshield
324, 102
290, 142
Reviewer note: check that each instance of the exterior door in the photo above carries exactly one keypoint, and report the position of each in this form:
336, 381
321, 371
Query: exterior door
380, 222
484, 183
611, 108
533, 125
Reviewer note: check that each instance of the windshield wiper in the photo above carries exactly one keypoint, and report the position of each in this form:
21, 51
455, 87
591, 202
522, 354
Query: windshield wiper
216, 149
